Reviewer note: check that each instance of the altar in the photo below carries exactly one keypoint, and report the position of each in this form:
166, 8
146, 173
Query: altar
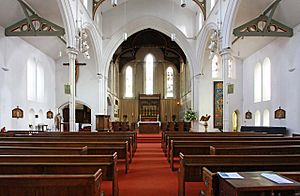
149, 126
149, 111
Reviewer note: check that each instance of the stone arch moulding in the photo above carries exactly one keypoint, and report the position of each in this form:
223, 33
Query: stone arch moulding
65, 8
228, 22
95, 42
205, 34
67, 103
144, 23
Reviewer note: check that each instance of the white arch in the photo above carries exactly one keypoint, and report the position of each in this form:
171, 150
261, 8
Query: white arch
65, 8
95, 42
204, 36
228, 23
142, 23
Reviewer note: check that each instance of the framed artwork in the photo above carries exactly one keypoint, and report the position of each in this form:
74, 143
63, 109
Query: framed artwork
248, 115
17, 112
279, 113
49, 114
218, 105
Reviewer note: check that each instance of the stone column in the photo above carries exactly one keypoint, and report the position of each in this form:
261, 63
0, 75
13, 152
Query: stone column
225, 56
72, 53
102, 93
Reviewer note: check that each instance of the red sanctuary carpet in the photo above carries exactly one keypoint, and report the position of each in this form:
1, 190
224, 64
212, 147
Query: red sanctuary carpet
150, 174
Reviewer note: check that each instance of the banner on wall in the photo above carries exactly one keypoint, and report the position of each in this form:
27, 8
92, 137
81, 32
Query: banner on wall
218, 105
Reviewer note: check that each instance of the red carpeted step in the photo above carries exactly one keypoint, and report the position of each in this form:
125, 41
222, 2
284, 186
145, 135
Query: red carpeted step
149, 138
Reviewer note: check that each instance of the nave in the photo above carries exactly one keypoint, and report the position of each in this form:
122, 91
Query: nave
150, 173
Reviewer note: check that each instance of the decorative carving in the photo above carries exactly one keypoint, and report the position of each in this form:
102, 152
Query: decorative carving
17, 113
279, 113
264, 25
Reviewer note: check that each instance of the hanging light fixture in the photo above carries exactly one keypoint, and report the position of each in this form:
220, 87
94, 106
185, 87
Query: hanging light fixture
183, 3
114, 3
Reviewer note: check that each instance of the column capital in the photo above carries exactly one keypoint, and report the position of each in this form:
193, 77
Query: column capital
71, 50
225, 51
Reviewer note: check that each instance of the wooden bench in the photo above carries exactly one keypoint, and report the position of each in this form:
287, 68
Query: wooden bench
207, 138
108, 164
132, 134
49, 183
211, 180
244, 150
73, 139
10, 150
103, 147
165, 135
203, 147
169, 137
191, 165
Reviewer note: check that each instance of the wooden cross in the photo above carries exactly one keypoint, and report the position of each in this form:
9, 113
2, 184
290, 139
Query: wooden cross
77, 64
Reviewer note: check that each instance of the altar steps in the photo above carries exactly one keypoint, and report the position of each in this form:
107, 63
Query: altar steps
149, 138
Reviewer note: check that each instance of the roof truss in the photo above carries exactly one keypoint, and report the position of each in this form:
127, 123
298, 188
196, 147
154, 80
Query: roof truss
264, 25
34, 25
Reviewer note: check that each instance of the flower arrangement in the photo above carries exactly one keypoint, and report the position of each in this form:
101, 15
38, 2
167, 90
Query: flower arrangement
190, 115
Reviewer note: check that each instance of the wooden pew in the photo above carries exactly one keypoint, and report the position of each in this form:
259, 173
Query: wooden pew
191, 165
215, 134
203, 147
10, 150
211, 180
75, 139
168, 136
51, 183
101, 147
241, 150
132, 134
201, 138
108, 164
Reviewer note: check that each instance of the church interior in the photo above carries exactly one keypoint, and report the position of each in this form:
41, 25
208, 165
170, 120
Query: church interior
166, 92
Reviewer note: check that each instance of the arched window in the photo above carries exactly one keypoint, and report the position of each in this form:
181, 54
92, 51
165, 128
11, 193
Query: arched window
31, 79
266, 120
215, 67
170, 82
257, 118
257, 83
40, 88
35, 80
266, 79
128, 82
149, 74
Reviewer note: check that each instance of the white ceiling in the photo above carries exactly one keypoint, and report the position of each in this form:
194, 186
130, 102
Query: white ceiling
287, 13
11, 12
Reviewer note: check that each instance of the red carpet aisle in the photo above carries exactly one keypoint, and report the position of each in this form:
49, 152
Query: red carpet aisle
149, 174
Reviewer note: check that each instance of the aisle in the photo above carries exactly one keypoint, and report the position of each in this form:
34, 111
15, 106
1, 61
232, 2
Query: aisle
149, 174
